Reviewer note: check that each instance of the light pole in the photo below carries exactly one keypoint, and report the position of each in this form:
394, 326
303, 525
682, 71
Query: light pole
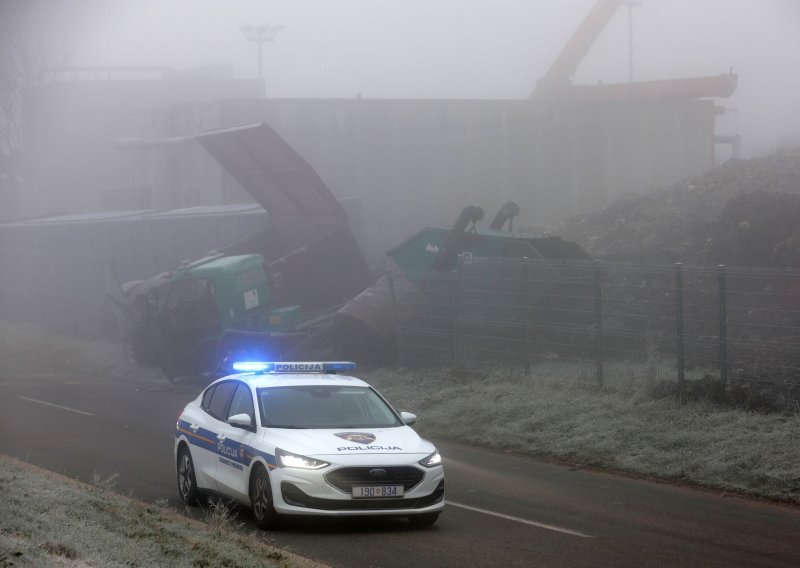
631, 4
261, 35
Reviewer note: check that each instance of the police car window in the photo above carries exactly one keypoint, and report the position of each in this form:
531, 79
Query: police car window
220, 399
242, 402
207, 397
324, 406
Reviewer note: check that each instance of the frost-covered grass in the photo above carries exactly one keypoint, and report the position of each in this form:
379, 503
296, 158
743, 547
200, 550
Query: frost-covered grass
48, 520
29, 350
626, 429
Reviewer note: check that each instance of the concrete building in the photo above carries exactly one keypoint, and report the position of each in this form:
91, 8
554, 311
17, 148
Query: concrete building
71, 164
113, 144
419, 162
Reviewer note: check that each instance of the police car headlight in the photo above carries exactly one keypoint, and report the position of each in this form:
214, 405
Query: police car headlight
288, 459
432, 460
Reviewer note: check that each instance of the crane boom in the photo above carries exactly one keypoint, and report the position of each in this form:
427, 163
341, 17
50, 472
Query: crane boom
566, 64
557, 84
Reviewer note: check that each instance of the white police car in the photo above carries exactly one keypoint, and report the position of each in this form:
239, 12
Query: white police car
297, 439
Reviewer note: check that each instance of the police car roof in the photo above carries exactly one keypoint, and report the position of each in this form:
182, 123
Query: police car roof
266, 380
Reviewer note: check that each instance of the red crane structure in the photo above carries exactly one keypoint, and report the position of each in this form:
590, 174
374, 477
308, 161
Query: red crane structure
557, 81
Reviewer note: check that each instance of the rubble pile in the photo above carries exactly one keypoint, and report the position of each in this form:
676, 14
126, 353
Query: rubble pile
745, 213
735, 214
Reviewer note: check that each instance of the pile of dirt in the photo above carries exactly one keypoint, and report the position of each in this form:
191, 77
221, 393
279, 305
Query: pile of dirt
745, 213
735, 214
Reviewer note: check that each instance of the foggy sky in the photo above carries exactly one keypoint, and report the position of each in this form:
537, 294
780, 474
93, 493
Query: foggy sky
446, 48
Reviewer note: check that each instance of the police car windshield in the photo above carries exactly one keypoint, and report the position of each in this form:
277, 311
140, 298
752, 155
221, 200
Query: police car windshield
324, 406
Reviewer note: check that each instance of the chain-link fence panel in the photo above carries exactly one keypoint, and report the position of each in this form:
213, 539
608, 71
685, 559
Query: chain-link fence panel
707, 329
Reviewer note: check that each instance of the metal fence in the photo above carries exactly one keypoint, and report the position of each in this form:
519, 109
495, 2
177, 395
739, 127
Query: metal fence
732, 330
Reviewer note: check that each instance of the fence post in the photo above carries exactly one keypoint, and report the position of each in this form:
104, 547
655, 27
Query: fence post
679, 318
598, 322
528, 323
723, 327
395, 327
459, 275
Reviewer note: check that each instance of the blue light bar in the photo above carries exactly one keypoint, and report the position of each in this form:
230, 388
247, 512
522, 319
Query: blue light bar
252, 367
293, 367
339, 366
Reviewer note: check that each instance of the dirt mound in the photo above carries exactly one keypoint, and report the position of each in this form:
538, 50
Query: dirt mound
735, 214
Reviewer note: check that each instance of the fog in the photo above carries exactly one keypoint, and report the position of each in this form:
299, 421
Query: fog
486, 49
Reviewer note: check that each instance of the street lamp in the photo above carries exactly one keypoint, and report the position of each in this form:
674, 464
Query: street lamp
630, 4
261, 35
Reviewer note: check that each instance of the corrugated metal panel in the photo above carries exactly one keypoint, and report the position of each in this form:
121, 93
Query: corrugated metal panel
138, 244
60, 264
81, 218
210, 210
272, 172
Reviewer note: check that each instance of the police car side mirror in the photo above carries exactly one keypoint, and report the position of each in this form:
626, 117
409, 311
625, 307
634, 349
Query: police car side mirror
408, 418
240, 421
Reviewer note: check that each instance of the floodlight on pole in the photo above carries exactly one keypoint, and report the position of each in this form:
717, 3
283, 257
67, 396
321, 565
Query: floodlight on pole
631, 4
261, 35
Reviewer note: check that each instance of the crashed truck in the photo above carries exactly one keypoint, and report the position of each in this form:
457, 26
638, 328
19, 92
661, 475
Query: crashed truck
259, 294
301, 287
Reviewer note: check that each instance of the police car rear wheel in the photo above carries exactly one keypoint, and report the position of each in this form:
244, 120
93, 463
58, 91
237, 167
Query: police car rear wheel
264, 513
423, 520
187, 484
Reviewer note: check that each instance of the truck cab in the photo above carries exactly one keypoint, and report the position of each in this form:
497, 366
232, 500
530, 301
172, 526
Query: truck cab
181, 315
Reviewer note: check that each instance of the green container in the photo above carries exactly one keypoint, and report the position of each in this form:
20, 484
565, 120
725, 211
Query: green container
415, 256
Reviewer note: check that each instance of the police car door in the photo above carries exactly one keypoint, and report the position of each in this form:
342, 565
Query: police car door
205, 453
236, 446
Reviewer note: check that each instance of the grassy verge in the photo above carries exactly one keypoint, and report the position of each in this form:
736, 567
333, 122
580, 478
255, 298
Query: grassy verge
29, 350
624, 429
47, 519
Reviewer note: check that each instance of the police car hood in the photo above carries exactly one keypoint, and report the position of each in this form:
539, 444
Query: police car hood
349, 441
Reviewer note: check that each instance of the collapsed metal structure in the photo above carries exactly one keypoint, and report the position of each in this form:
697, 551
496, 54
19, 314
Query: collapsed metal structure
311, 255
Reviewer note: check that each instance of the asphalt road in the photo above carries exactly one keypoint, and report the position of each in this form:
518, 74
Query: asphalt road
502, 510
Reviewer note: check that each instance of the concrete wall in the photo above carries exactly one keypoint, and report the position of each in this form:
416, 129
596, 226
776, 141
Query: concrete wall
411, 162
417, 163
71, 163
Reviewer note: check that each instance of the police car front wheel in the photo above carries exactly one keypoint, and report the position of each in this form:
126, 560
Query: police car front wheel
264, 513
187, 484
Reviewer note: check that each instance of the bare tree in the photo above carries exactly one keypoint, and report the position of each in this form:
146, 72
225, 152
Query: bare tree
24, 63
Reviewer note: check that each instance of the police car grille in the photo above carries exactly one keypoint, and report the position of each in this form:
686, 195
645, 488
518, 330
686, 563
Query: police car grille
293, 495
348, 477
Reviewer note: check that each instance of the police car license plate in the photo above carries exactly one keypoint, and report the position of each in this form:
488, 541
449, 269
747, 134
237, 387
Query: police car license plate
377, 491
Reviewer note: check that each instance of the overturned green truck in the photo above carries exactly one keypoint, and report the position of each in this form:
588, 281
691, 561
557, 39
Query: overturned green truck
257, 296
